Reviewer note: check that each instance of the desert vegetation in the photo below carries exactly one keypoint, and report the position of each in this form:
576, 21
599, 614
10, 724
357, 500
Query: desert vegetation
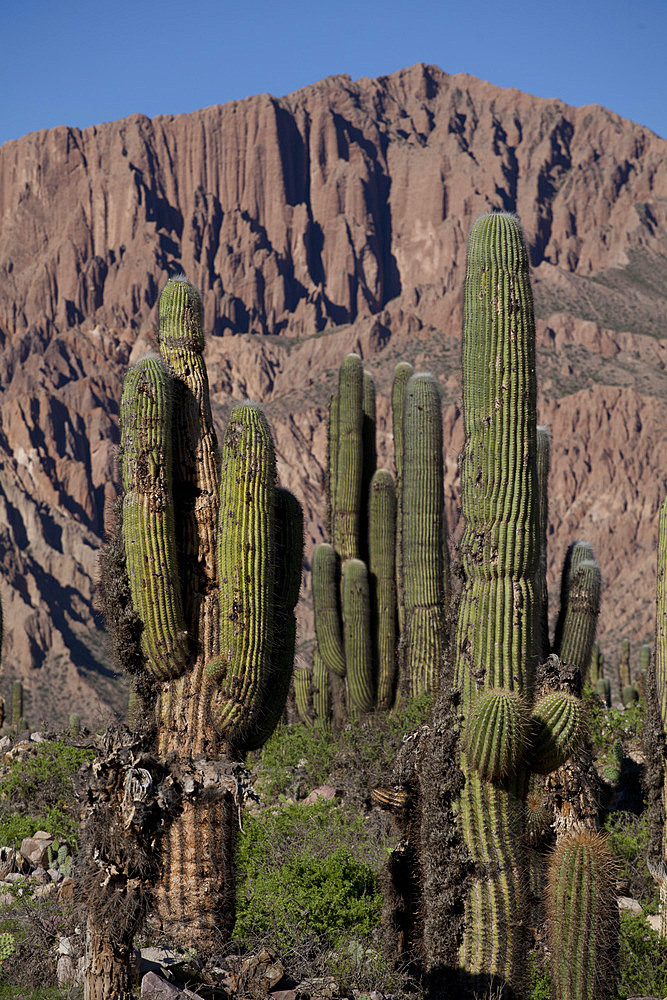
461, 801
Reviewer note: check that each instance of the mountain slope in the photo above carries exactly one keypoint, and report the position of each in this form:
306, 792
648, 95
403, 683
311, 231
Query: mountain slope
332, 219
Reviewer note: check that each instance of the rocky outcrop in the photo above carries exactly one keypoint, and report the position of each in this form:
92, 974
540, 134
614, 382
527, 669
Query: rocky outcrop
329, 220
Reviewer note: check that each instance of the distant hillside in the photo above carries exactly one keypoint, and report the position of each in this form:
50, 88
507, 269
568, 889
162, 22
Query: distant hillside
329, 220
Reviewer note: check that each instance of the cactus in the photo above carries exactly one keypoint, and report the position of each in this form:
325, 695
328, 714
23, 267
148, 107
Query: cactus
17, 705
583, 917
496, 644
74, 724
326, 604
624, 675
557, 722
350, 456
357, 635
603, 688
595, 669
401, 377
543, 465
381, 566
218, 629
425, 577
629, 695
582, 607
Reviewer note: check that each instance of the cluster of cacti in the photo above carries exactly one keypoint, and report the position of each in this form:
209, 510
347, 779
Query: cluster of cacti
515, 723
656, 730
212, 552
381, 585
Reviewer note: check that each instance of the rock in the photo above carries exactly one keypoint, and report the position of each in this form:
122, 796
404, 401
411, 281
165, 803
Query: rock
5, 743
45, 891
54, 874
6, 899
38, 738
153, 987
653, 920
35, 849
160, 960
14, 877
340, 209
40, 875
627, 903
325, 792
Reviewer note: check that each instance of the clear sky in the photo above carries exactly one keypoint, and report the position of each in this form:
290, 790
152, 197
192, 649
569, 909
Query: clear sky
67, 62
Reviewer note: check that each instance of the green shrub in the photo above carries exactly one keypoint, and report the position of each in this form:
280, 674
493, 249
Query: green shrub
38, 793
642, 959
609, 725
628, 839
305, 878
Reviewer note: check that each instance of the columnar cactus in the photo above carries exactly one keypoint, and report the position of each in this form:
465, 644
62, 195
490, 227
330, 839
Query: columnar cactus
218, 626
17, 704
543, 466
425, 577
403, 372
583, 915
496, 643
381, 566
581, 615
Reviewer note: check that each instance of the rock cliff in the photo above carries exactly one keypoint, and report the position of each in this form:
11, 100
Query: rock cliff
331, 219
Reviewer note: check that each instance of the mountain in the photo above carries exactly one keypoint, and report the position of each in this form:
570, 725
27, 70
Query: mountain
330, 220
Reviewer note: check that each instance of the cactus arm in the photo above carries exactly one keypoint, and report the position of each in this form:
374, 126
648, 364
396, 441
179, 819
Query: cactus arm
332, 462
287, 584
423, 531
401, 377
148, 516
357, 635
321, 693
246, 554
325, 600
350, 458
382, 568
196, 456
581, 616
543, 465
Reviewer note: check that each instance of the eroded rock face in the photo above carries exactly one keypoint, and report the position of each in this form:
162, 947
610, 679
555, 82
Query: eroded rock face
336, 218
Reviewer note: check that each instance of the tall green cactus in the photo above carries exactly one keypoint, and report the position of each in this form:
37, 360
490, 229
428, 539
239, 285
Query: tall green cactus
543, 466
403, 372
350, 458
581, 616
496, 643
218, 620
583, 917
381, 566
17, 704
425, 581
624, 674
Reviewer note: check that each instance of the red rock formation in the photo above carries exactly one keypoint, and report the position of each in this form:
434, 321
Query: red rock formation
337, 218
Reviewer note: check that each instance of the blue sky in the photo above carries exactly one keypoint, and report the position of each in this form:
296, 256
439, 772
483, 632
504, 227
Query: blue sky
72, 63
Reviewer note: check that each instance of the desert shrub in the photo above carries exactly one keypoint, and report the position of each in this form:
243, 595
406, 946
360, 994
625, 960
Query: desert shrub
606, 726
305, 874
628, 839
297, 759
35, 926
38, 792
642, 959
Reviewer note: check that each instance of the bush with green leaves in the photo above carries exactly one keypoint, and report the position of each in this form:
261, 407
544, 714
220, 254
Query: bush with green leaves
37, 792
642, 959
307, 875
628, 840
